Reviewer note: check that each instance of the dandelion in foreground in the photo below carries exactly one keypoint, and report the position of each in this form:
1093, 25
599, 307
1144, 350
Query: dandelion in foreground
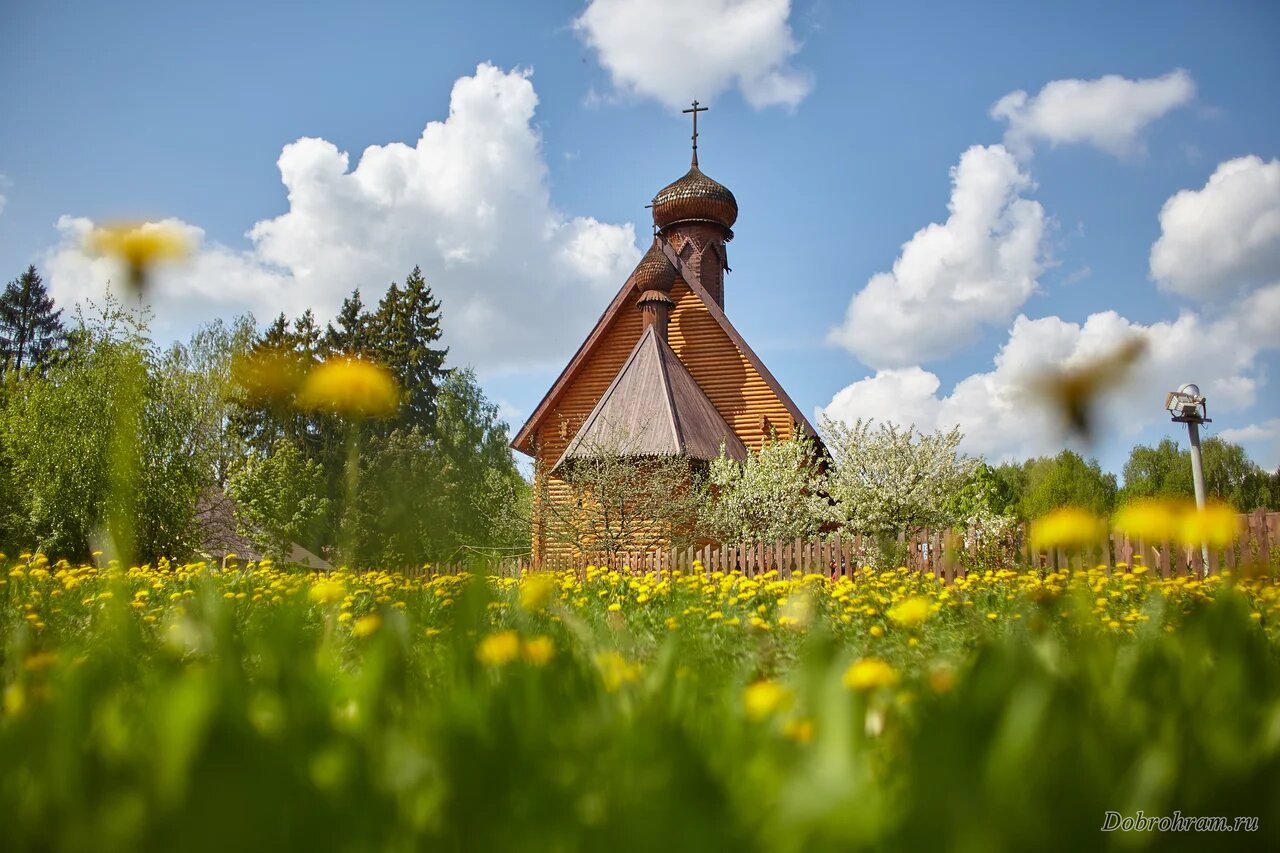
538, 651
139, 246
763, 698
868, 674
1068, 525
326, 592
910, 612
536, 589
366, 625
1154, 520
350, 387
1217, 526
498, 649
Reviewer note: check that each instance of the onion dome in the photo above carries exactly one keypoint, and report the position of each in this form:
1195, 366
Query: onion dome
695, 198
654, 271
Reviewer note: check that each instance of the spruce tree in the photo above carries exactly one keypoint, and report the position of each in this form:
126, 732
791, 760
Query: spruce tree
405, 327
350, 333
30, 329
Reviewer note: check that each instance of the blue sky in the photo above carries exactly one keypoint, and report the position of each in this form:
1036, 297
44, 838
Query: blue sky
837, 125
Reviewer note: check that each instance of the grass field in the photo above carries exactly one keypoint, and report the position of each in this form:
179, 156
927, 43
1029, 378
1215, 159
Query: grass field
179, 708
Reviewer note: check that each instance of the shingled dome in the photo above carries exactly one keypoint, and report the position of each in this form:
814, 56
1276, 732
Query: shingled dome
695, 198
654, 272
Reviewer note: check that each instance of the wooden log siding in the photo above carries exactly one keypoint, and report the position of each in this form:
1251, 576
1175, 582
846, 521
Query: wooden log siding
843, 555
728, 378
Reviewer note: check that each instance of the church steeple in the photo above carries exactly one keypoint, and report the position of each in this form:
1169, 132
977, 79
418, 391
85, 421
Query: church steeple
696, 215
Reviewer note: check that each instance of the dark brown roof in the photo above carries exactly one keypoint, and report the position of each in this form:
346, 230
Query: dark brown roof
525, 435
654, 407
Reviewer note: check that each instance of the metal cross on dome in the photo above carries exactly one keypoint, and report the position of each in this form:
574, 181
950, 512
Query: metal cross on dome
695, 109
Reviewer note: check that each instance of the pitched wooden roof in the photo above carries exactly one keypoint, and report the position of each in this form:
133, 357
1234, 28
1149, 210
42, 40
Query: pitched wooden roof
654, 407
523, 438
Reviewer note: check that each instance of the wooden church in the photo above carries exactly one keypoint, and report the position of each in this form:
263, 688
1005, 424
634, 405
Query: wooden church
663, 370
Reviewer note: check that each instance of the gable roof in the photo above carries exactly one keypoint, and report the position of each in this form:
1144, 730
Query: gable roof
690, 277
654, 407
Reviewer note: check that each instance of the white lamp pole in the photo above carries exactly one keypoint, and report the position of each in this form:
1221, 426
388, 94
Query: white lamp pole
1187, 405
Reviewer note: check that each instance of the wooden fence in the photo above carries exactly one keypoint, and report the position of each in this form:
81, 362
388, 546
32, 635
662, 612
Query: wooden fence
935, 552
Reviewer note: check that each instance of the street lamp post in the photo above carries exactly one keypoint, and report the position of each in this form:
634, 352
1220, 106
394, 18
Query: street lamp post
1187, 405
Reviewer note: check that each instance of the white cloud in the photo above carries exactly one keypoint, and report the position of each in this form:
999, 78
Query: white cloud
1109, 112
1261, 439
470, 203
1001, 421
951, 279
676, 50
1224, 237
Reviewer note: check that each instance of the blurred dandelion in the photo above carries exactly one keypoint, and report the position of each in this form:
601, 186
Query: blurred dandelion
350, 387
538, 651
869, 673
1217, 526
1155, 519
498, 649
763, 698
1072, 392
268, 376
910, 612
139, 246
1066, 526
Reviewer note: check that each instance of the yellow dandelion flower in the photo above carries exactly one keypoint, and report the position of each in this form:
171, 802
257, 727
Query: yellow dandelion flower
615, 670
139, 246
764, 698
350, 387
1153, 520
1217, 525
535, 589
327, 592
538, 650
800, 730
498, 649
910, 612
876, 631
868, 674
366, 625
1066, 526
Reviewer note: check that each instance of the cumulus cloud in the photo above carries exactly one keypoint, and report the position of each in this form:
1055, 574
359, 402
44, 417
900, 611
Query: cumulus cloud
1001, 421
1108, 113
677, 50
1224, 237
952, 279
517, 278
1262, 439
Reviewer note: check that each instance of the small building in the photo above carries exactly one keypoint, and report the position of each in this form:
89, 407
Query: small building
663, 372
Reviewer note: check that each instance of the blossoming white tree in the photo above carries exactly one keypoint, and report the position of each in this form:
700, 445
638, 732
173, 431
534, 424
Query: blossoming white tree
889, 480
779, 492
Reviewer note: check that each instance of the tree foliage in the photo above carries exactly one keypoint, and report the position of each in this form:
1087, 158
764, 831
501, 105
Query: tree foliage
1068, 479
59, 437
1230, 476
779, 492
621, 501
281, 498
888, 480
31, 328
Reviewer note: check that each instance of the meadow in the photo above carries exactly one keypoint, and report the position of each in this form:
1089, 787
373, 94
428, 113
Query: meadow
251, 707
